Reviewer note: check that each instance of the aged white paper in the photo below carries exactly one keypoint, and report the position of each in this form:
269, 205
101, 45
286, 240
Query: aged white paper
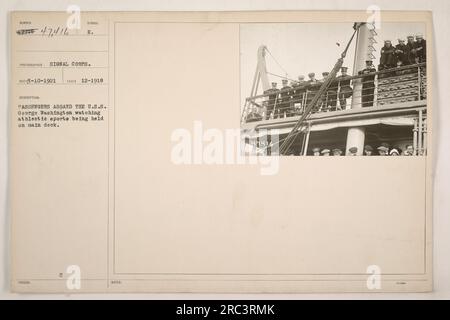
125, 176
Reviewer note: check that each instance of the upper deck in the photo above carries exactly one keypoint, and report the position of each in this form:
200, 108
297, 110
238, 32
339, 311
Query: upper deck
399, 91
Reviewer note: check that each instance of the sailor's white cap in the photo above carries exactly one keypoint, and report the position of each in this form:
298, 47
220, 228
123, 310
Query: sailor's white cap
394, 151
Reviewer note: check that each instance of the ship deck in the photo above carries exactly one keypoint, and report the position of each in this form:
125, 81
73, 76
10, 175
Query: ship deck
403, 109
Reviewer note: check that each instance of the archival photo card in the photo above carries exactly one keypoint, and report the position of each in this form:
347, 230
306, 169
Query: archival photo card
221, 152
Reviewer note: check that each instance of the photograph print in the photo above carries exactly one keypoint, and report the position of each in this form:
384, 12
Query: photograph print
334, 89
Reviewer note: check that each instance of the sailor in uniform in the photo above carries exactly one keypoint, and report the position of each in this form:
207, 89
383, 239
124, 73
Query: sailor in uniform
301, 80
411, 51
368, 87
401, 52
254, 115
316, 151
345, 90
328, 99
387, 58
394, 152
273, 97
421, 48
409, 150
285, 97
298, 94
353, 151
383, 151
368, 150
313, 87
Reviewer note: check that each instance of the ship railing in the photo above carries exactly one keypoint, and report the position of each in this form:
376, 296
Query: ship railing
376, 89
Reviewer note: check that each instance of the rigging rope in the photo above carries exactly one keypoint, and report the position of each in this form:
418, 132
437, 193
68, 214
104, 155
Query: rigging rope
300, 125
282, 77
276, 61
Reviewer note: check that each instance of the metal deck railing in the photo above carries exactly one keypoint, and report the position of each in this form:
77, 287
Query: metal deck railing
379, 88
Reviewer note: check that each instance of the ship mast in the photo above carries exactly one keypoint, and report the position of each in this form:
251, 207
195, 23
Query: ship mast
363, 51
261, 72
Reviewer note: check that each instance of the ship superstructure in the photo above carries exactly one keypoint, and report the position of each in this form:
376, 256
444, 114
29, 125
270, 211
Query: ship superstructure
387, 107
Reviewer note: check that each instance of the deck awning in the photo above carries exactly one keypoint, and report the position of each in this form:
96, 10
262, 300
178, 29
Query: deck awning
390, 121
397, 121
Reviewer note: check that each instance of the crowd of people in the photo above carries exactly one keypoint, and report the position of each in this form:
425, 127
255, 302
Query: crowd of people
414, 51
292, 98
393, 61
383, 150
